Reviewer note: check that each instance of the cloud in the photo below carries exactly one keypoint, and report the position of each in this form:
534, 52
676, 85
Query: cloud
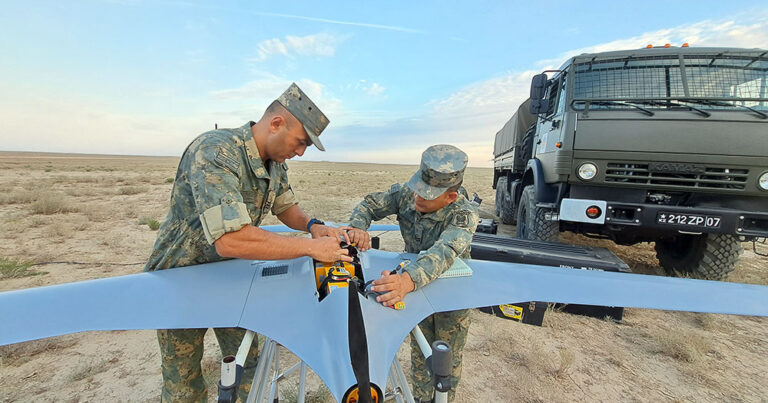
374, 89
750, 33
321, 44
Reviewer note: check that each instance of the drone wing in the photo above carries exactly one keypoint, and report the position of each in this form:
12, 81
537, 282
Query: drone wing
520, 282
210, 295
495, 283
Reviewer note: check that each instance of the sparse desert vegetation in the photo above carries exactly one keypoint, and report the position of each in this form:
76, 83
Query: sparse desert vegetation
14, 268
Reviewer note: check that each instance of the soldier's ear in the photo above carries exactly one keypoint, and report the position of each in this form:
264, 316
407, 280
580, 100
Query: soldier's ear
276, 122
451, 196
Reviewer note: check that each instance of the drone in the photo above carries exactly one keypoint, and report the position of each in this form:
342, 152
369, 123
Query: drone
347, 338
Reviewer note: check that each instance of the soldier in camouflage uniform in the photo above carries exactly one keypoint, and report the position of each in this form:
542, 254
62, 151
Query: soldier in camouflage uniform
436, 217
227, 181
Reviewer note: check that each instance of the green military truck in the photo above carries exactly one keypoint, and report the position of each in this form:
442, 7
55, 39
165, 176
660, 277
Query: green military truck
666, 145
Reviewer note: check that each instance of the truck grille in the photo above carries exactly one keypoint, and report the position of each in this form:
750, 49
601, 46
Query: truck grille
720, 178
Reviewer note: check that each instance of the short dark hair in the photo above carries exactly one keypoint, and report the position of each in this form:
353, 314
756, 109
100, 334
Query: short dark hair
276, 108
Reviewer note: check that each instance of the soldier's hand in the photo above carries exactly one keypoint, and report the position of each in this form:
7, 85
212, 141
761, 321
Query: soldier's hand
359, 237
321, 230
394, 285
327, 249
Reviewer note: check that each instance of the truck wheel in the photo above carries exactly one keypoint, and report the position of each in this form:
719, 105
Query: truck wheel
505, 206
499, 196
531, 222
705, 256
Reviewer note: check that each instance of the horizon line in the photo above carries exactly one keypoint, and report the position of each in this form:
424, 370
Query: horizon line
54, 153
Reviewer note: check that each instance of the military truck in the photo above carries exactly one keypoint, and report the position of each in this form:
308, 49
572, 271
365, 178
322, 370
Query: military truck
661, 144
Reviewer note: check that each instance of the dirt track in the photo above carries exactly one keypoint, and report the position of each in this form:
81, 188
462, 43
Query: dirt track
96, 210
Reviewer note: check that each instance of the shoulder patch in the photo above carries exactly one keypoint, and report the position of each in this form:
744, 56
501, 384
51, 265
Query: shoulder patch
372, 201
226, 161
462, 218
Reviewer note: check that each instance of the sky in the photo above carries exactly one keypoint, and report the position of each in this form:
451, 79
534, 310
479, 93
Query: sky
141, 77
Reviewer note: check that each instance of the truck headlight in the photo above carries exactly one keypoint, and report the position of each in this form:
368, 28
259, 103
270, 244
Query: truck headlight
762, 181
588, 171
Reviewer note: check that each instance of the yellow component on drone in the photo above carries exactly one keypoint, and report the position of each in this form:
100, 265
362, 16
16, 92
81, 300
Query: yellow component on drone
330, 276
353, 395
337, 269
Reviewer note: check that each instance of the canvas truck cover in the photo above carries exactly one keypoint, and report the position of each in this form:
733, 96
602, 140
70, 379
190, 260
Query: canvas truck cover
513, 131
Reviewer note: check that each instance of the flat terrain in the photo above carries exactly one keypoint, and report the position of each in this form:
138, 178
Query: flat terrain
85, 216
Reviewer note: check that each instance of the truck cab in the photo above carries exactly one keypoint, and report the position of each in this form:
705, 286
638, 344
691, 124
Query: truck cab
666, 145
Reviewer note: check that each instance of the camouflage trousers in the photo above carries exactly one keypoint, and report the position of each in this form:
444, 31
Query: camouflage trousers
181, 351
450, 327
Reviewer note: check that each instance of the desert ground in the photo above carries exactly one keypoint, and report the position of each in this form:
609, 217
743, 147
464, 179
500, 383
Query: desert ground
66, 217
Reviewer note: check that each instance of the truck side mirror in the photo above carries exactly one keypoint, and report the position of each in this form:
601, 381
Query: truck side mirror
539, 106
538, 89
538, 86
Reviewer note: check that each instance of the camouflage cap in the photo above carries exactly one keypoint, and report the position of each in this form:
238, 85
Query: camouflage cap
303, 109
442, 166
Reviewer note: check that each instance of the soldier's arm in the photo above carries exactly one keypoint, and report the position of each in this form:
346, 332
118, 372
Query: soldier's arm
253, 243
453, 241
375, 206
214, 180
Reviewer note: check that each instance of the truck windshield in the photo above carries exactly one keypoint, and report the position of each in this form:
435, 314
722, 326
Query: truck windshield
721, 81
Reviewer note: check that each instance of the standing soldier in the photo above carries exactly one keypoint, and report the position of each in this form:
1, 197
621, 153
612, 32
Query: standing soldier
435, 217
227, 181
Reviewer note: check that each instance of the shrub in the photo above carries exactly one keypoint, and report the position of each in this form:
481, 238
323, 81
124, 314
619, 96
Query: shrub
49, 203
130, 190
682, 346
150, 222
12, 268
58, 232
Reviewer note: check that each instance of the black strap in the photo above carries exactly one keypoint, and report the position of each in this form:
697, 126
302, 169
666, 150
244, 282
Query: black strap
358, 345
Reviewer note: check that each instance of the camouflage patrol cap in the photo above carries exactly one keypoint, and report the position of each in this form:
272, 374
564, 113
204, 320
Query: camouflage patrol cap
303, 109
442, 166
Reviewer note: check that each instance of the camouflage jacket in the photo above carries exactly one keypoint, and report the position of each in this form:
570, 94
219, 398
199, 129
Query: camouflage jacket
221, 185
443, 234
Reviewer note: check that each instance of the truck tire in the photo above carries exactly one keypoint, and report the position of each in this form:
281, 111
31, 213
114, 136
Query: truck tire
499, 197
705, 256
505, 206
531, 220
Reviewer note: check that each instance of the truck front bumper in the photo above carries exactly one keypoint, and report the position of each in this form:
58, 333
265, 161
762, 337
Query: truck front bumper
670, 218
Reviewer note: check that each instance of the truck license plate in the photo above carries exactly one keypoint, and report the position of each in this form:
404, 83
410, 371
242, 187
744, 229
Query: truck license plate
692, 220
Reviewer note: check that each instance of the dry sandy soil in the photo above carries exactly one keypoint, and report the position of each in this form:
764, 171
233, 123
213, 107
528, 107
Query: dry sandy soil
92, 214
